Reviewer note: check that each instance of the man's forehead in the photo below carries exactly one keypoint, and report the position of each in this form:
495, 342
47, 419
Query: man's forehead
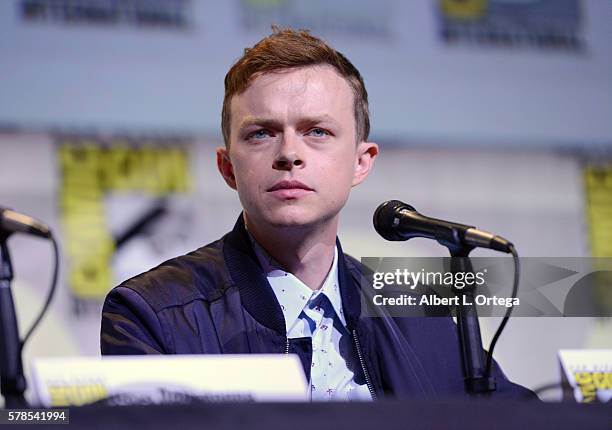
319, 89
298, 77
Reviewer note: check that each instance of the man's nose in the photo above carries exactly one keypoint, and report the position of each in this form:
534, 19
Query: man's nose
288, 156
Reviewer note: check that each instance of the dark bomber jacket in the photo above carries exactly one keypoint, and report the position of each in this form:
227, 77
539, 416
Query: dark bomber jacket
217, 300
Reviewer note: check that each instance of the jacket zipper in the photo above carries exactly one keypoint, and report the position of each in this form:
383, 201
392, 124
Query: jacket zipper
287, 345
363, 367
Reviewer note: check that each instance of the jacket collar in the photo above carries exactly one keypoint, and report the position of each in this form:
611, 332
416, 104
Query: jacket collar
257, 295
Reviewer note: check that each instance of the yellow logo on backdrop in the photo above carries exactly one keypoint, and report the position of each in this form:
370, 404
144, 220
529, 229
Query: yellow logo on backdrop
91, 169
464, 9
598, 184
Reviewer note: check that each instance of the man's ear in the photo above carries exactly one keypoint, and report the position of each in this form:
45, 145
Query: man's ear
366, 153
224, 164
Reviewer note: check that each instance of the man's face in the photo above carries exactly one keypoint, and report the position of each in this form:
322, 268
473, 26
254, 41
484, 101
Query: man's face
293, 156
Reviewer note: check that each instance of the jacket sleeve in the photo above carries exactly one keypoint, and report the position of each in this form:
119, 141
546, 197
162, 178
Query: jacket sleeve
129, 325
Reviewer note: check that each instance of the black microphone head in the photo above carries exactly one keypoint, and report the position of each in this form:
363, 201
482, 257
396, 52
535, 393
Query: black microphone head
385, 216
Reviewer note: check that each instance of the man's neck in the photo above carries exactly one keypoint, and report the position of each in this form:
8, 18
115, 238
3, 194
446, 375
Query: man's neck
305, 251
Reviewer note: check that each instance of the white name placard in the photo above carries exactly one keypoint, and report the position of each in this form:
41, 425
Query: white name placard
159, 379
587, 374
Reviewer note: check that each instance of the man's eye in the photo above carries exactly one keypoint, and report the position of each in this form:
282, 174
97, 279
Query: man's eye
318, 132
259, 134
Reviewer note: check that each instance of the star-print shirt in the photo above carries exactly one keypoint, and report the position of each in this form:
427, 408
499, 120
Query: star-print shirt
318, 315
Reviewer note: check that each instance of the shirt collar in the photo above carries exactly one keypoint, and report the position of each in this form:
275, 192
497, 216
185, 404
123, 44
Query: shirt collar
292, 294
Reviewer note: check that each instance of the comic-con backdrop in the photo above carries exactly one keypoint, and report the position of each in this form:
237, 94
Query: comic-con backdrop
490, 112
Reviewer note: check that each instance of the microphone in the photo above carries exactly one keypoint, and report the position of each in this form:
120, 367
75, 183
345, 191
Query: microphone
14, 222
396, 221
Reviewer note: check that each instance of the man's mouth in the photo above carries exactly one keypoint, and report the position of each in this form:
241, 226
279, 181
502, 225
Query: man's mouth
289, 190
289, 185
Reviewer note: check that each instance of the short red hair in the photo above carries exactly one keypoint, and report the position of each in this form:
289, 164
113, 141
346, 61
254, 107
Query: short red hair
288, 49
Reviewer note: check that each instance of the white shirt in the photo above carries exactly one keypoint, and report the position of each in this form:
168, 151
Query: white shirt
318, 315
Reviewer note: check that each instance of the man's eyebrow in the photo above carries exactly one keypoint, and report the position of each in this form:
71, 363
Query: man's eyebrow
264, 122
325, 118
272, 123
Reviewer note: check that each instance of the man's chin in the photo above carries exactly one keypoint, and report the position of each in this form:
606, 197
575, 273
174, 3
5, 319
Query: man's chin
293, 218
291, 221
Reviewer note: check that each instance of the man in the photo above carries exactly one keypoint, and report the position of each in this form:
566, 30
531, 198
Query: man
295, 123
